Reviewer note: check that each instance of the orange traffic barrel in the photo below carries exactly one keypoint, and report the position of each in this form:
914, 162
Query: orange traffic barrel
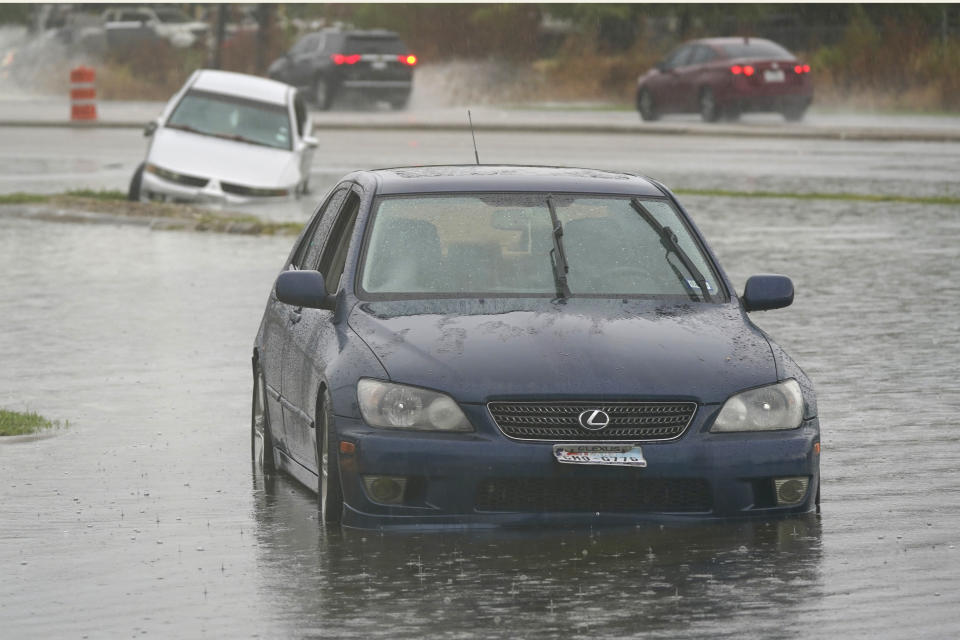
83, 94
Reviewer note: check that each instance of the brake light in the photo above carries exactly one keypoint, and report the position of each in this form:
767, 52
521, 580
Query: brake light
409, 60
747, 70
801, 68
736, 69
339, 58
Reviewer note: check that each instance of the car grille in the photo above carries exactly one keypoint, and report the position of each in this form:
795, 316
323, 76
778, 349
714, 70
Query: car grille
560, 420
637, 495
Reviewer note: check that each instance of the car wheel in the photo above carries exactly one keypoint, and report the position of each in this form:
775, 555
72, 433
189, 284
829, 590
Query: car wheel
400, 103
329, 492
133, 193
646, 106
709, 111
794, 113
261, 441
322, 96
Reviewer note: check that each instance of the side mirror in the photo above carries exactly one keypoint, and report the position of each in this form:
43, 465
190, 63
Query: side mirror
303, 289
150, 128
767, 291
310, 141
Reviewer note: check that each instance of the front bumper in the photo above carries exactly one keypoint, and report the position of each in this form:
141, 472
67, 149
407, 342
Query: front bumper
485, 479
154, 187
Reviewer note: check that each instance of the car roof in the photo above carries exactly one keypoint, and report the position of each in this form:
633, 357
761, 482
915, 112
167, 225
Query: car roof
468, 178
241, 85
730, 40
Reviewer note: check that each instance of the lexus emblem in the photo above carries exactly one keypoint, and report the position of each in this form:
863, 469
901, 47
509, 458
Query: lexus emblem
594, 419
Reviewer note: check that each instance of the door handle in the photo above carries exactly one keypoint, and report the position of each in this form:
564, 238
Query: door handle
295, 315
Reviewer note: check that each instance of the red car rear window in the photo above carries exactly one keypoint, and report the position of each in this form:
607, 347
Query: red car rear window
756, 49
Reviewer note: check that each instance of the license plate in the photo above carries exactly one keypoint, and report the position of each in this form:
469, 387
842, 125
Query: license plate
379, 64
773, 75
614, 455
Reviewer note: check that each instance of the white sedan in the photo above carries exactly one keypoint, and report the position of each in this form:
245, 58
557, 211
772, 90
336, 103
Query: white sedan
230, 138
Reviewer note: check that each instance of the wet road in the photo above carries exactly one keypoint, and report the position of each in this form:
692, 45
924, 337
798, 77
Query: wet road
49, 160
142, 518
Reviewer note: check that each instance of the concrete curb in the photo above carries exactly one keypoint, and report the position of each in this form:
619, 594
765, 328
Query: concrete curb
733, 131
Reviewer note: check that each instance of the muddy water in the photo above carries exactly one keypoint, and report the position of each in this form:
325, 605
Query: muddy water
142, 518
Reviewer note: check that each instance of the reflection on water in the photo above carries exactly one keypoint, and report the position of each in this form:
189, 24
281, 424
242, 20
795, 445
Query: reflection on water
648, 580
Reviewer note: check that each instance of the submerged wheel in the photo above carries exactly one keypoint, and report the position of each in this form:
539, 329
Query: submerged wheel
133, 193
329, 492
646, 106
261, 441
709, 111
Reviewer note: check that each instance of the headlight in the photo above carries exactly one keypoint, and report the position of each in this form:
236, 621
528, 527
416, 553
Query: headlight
776, 406
398, 406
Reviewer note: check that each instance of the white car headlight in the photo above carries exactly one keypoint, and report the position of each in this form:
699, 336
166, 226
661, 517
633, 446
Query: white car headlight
776, 406
398, 406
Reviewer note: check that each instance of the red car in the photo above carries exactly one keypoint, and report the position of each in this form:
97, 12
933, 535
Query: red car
723, 77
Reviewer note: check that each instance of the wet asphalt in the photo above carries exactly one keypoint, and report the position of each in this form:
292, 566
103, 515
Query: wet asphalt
142, 518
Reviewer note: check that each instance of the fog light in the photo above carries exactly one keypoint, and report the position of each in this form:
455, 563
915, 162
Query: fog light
385, 489
790, 490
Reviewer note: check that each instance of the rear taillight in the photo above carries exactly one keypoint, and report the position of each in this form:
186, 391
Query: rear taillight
339, 58
801, 68
747, 70
736, 69
410, 60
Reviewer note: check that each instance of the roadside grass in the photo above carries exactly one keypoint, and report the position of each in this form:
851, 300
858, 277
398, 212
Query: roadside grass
17, 423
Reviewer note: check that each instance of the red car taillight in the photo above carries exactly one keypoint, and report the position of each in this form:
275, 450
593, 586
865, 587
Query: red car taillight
409, 60
746, 70
801, 68
339, 58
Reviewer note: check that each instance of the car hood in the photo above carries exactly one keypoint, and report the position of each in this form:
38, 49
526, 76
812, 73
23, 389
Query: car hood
227, 160
481, 350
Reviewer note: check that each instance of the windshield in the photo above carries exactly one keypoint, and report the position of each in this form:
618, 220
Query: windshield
504, 245
223, 116
756, 49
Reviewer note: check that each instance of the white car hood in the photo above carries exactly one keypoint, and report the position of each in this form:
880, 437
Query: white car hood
224, 160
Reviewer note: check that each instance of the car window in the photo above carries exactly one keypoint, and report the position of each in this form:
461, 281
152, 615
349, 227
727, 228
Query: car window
756, 49
702, 54
373, 44
134, 16
308, 252
172, 16
501, 244
335, 251
233, 118
306, 43
679, 57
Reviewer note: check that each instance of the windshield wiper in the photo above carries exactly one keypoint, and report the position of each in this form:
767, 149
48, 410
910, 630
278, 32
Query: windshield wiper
669, 241
559, 258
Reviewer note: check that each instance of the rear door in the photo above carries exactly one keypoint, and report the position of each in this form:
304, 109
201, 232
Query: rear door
302, 67
665, 86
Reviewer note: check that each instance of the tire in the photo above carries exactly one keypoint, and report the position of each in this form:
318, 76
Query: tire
133, 193
794, 113
329, 491
321, 94
261, 440
399, 104
646, 106
709, 110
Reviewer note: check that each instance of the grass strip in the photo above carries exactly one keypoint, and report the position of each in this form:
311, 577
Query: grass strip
852, 197
16, 423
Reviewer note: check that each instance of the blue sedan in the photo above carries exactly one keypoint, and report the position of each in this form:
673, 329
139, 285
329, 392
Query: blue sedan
503, 345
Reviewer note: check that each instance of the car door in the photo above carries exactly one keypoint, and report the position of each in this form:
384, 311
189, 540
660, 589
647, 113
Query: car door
664, 86
313, 340
304, 127
689, 78
301, 68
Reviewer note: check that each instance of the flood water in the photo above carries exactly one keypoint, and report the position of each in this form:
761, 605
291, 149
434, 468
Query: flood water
142, 518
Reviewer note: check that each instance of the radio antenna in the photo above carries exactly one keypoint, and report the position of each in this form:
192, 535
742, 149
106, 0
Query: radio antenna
474, 136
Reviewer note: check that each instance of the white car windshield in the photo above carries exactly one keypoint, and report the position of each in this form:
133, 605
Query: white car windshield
503, 244
233, 118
